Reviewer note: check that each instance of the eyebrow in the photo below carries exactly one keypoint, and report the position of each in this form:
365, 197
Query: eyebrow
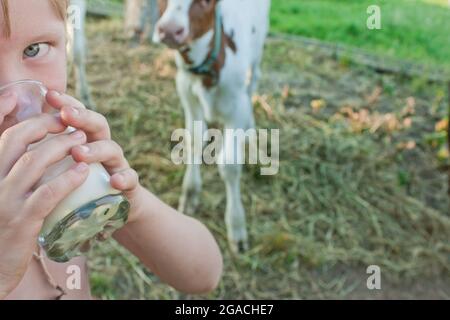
39, 33
45, 36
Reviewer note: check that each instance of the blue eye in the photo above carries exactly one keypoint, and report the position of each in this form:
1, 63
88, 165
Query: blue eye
36, 50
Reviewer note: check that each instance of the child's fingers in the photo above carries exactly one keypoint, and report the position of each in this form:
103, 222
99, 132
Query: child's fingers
94, 124
15, 140
7, 104
58, 100
126, 180
108, 152
45, 198
30, 167
75, 114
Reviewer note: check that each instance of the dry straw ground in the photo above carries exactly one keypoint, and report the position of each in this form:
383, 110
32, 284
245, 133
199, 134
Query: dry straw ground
359, 181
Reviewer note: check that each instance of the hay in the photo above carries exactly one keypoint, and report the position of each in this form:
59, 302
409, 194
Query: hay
342, 200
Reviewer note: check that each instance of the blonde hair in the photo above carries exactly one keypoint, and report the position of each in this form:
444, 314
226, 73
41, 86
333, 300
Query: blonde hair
59, 5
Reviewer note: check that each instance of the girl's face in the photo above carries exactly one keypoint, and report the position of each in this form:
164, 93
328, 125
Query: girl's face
36, 47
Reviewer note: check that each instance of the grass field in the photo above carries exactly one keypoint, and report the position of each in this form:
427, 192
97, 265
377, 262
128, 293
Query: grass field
416, 30
411, 29
359, 180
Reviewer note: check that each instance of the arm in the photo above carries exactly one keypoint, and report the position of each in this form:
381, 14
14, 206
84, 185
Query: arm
177, 248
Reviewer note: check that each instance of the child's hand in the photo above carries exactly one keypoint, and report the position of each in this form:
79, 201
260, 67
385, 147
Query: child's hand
100, 147
22, 211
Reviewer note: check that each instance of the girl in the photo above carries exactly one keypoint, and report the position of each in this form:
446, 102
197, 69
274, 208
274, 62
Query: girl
177, 248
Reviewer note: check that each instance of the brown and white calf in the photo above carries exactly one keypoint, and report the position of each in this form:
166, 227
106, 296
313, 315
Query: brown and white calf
219, 45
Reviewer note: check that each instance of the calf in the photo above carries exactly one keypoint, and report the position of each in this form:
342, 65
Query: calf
219, 45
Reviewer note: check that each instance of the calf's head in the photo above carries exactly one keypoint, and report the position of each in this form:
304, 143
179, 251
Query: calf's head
182, 21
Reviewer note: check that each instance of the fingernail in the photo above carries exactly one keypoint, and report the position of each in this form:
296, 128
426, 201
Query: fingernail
81, 167
77, 134
56, 93
74, 111
84, 149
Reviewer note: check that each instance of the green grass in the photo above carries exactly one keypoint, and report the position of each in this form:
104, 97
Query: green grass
416, 30
411, 29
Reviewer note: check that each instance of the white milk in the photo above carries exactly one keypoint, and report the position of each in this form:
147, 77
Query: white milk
102, 218
96, 186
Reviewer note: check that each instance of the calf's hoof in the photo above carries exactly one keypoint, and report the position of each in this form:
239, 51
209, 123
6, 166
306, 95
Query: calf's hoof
239, 246
238, 238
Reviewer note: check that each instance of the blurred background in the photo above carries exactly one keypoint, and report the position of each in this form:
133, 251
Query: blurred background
364, 159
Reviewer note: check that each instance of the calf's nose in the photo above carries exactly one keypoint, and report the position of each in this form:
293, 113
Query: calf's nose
172, 34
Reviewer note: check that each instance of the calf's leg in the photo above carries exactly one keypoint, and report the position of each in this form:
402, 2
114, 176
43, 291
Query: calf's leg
192, 181
231, 158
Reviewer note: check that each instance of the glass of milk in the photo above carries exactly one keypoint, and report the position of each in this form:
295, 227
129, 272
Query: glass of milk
93, 211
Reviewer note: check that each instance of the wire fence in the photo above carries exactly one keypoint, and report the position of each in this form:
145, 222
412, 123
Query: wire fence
105, 8
378, 62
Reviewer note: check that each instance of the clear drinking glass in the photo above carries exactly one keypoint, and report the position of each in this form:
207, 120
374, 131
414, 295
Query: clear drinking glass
93, 211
